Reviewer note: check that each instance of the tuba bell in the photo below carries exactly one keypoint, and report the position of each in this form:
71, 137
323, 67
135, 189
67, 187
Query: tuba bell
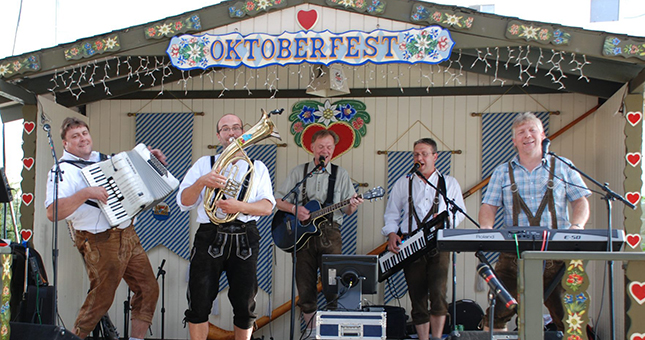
231, 154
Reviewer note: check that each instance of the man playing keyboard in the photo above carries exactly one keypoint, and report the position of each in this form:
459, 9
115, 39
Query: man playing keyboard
427, 276
110, 254
532, 190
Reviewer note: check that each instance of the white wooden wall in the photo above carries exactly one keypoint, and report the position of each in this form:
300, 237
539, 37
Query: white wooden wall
448, 118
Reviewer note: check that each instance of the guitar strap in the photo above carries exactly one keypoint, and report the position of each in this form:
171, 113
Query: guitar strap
435, 207
329, 200
81, 164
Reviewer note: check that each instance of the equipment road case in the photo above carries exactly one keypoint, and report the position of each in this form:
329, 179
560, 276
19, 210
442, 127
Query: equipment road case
344, 325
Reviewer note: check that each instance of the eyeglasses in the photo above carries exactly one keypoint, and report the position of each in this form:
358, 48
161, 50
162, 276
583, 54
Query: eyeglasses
235, 128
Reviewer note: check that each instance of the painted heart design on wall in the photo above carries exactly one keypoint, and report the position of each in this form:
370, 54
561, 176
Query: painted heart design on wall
27, 198
633, 240
29, 127
307, 19
26, 235
633, 197
634, 118
633, 158
344, 132
637, 336
637, 290
28, 162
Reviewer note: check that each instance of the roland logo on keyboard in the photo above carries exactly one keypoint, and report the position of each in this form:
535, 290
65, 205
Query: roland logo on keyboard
490, 236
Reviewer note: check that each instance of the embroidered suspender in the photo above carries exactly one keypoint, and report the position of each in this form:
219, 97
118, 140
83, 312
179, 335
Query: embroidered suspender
329, 200
520, 205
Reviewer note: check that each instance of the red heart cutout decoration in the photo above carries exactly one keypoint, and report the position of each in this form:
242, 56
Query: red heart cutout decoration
307, 19
633, 240
29, 127
637, 336
633, 197
343, 130
28, 162
26, 235
27, 198
633, 158
637, 289
634, 117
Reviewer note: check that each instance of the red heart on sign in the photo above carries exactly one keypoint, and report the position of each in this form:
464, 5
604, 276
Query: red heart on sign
637, 336
633, 197
633, 158
345, 137
307, 19
26, 235
27, 198
29, 127
637, 289
634, 117
633, 240
28, 162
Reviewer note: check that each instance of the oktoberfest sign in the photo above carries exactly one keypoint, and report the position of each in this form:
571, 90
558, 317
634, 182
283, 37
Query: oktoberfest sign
430, 45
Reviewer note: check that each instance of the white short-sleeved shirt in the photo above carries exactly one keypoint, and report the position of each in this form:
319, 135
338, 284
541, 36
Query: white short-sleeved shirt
261, 189
86, 217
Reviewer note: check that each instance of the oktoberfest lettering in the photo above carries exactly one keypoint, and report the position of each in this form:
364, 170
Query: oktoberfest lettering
426, 45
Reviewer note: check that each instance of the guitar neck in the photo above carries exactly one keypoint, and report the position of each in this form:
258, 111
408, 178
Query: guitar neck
331, 208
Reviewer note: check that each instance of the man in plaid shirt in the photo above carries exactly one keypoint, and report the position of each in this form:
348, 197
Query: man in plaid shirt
532, 191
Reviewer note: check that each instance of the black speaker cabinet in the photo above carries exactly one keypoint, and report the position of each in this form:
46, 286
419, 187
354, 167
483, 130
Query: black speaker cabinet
23, 331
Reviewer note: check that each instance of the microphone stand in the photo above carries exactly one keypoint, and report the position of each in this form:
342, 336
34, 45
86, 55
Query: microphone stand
162, 272
609, 196
126, 315
294, 191
454, 208
57, 177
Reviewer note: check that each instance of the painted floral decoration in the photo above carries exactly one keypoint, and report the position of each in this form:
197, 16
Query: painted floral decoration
614, 46
252, 7
30, 63
347, 118
369, 6
168, 29
89, 48
191, 51
425, 45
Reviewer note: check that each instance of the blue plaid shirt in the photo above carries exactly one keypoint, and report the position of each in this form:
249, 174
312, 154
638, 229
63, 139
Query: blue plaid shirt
532, 187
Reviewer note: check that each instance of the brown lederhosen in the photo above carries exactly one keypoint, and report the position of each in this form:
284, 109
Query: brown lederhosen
506, 267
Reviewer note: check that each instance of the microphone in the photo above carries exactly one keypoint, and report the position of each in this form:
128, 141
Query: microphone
496, 286
545, 149
47, 128
161, 268
321, 163
414, 169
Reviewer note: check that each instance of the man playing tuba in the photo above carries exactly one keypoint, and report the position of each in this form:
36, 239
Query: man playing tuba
230, 246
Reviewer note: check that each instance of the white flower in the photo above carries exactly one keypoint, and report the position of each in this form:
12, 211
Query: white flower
263, 4
327, 113
165, 29
529, 32
452, 19
110, 42
4, 69
574, 321
195, 51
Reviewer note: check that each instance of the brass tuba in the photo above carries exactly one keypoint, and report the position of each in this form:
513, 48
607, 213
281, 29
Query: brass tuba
234, 152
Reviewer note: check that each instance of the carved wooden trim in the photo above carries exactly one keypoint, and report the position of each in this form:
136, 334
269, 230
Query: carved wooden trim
10, 67
544, 34
173, 27
424, 14
91, 47
254, 7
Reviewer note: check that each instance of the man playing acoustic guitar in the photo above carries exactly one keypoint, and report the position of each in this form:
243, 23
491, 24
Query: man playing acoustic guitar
330, 185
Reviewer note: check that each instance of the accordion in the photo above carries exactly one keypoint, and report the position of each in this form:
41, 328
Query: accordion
135, 180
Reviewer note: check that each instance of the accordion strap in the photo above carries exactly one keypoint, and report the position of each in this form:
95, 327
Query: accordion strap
81, 164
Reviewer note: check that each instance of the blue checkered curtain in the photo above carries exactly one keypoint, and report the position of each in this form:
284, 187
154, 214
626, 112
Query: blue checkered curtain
398, 165
267, 154
172, 133
497, 148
